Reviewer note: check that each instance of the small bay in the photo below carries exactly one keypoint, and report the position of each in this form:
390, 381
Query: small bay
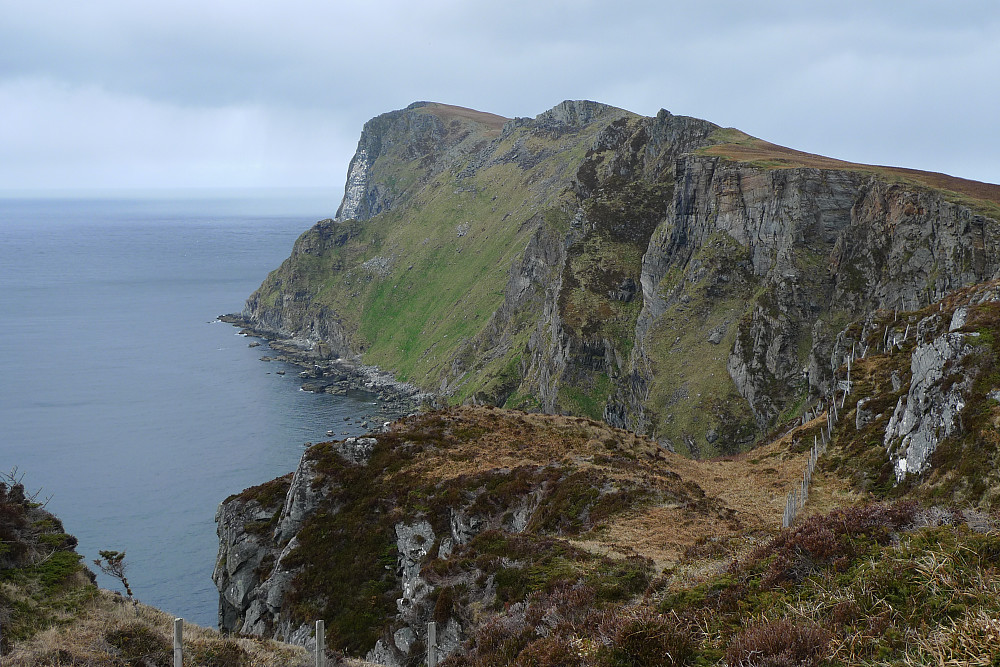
122, 397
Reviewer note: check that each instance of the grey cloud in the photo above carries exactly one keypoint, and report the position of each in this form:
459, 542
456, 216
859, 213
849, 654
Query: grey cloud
861, 81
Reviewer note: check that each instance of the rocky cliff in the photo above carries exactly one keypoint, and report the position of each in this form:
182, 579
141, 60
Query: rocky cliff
447, 516
666, 275
924, 401
536, 539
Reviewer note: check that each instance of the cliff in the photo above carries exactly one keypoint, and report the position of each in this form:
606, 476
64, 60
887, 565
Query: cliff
535, 539
663, 274
452, 511
703, 289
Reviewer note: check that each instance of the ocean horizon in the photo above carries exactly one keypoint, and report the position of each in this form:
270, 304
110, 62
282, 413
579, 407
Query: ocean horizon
123, 399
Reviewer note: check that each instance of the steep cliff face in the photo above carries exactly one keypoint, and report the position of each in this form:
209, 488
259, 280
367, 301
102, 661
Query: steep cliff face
925, 400
662, 274
753, 274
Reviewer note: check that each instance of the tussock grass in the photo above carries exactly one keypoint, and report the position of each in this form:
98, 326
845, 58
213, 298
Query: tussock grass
111, 631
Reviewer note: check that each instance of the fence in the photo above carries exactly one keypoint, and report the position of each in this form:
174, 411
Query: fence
796, 499
319, 652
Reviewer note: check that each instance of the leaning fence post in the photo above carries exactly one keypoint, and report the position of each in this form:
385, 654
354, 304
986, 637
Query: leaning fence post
320, 644
178, 642
432, 649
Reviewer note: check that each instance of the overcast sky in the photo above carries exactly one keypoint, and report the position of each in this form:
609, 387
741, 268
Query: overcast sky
207, 93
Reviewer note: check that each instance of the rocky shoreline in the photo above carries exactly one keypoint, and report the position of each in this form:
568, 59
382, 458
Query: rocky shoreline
337, 376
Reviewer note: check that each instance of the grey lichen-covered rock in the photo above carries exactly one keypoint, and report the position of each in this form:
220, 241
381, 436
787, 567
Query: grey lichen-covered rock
413, 543
927, 413
240, 555
254, 542
301, 501
357, 450
863, 414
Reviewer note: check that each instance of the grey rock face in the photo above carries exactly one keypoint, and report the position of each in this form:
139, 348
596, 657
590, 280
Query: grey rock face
250, 571
357, 185
927, 414
240, 554
357, 450
301, 501
574, 113
863, 415
413, 543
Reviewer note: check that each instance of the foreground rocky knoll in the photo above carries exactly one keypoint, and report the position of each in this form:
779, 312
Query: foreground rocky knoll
678, 279
545, 540
463, 509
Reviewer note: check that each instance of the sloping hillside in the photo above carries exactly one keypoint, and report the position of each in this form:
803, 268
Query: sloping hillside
665, 275
547, 540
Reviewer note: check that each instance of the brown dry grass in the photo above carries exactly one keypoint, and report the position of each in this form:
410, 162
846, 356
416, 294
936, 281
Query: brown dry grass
751, 149
743, 495
493, 122
82, 640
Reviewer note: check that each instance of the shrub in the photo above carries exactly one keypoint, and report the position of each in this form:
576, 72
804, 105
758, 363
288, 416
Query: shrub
555, 651
778, 644
643, 637
226, 653
139, 646
831, 540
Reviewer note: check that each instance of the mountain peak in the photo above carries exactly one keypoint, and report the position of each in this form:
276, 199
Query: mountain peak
577, 112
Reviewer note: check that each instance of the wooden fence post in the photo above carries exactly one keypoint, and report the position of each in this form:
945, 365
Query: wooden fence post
432, 649
178, 642
320, 644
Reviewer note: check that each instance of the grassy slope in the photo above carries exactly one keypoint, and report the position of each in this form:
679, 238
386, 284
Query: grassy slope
445, 258
104, 631
692, 391
631, 542
741, 147
416, 286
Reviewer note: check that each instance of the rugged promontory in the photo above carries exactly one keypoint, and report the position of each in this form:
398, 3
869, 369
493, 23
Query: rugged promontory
666, 275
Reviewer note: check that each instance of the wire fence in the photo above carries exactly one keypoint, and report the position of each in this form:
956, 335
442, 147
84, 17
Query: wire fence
319, 652
796, 500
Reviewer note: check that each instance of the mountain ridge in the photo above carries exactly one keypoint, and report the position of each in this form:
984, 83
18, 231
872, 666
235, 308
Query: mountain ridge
544, 265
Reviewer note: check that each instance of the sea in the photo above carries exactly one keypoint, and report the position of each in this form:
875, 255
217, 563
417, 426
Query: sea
125, 404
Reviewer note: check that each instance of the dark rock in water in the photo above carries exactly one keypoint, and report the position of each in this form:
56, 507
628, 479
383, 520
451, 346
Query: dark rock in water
266, 358
279, 372
316, 387
254, 344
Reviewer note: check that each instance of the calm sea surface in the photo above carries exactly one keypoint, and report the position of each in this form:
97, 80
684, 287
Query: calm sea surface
123, 399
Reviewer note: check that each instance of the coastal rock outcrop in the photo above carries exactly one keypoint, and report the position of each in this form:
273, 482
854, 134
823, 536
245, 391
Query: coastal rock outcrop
439, 517
928, 412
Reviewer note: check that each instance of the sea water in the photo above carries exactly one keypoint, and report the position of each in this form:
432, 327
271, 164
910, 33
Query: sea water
123, 399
